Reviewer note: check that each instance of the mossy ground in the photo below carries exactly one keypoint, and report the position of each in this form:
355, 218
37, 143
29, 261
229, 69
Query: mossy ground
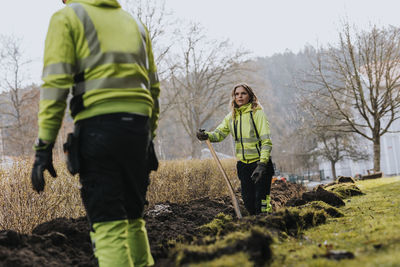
345, 190
370, 228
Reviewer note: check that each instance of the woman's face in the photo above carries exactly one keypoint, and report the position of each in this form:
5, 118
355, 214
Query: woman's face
241, 96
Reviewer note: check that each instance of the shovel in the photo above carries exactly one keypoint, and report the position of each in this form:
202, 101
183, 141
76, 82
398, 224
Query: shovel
234, 200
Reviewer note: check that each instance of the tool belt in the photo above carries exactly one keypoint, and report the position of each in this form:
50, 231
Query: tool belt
71, 151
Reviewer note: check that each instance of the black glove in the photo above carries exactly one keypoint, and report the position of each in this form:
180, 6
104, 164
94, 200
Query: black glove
201, 135
43, 161
259, 172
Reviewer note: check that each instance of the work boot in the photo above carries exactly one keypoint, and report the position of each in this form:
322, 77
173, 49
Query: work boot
266, 204
110, 243
139, 243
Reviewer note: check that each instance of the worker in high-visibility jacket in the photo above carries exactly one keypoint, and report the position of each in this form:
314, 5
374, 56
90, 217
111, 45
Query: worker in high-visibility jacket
249, 126
102, 56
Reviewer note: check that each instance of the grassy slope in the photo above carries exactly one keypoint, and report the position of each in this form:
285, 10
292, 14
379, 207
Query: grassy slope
370, 229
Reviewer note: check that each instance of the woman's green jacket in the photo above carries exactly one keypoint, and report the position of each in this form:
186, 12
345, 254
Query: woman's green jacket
250, 130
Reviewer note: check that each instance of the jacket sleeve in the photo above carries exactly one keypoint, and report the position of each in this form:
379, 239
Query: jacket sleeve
221, 132
154, 86
59, 65
262, 125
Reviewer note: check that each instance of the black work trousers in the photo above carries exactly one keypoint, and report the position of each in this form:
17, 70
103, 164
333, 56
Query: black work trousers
253, 193
114, 174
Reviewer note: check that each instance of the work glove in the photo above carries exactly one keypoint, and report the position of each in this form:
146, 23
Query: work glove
259, 172
201, 135
43, 161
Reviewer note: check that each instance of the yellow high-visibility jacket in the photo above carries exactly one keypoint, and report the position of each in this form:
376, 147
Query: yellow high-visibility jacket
103, 57
249, 147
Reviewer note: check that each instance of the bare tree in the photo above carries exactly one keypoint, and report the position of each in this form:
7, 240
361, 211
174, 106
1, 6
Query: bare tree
329, 145
201, 77
18, 125
360, 76
161, 25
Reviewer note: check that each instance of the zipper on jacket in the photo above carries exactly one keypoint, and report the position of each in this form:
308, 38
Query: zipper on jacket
241, 135
235, 130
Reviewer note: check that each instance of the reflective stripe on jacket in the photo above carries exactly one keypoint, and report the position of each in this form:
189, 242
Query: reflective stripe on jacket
247, 144
104, 57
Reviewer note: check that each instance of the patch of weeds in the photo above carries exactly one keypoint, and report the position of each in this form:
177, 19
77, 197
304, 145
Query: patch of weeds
237, 259
287, 220
294, 220
216, 226
312, 217
330, 210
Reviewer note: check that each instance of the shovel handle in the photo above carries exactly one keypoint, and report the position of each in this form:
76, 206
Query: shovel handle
228, 183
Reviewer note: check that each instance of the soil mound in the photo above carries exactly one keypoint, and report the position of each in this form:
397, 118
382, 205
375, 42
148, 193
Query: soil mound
256, 243
345, 190
372, 176
62, 242
282, 192
345, 179
318, 194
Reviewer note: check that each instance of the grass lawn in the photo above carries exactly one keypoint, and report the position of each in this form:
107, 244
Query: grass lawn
370, 230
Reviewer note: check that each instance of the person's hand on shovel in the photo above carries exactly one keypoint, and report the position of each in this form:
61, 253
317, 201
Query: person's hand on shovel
201, 135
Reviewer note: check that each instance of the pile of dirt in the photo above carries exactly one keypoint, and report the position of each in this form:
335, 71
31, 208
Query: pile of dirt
61, 242
345, 190
345, 179
318, 194
66, 242
282, 192
254, 245
372, 176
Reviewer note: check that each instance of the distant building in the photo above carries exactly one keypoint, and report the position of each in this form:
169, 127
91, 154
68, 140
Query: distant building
390, 158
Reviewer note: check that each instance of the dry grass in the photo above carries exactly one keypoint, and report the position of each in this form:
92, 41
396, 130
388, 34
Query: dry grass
21, 209
183, 180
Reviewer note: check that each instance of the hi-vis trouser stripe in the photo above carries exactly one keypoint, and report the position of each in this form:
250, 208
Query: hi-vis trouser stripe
266, 204
96, 59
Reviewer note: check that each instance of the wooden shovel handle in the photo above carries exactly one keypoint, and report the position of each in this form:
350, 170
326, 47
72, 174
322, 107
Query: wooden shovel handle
228, 183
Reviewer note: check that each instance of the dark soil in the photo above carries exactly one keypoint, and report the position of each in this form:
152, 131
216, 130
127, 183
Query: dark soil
318, 194
372, 176
66, 242
61, 242
345, 179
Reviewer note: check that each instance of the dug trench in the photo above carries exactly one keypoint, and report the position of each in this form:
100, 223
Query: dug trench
202, 230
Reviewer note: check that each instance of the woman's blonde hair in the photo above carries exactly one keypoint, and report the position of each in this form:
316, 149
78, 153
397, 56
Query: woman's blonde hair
252, 98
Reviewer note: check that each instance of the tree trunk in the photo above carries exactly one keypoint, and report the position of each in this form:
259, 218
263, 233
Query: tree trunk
377, 153
333, 167
196, 148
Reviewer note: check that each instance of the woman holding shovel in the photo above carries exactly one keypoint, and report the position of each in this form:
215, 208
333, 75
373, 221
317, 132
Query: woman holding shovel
249, 127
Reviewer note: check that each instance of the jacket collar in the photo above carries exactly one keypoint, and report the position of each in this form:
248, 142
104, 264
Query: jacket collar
110, 3
246, 108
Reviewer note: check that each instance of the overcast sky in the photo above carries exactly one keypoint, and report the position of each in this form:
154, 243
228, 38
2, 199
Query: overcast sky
262, 26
